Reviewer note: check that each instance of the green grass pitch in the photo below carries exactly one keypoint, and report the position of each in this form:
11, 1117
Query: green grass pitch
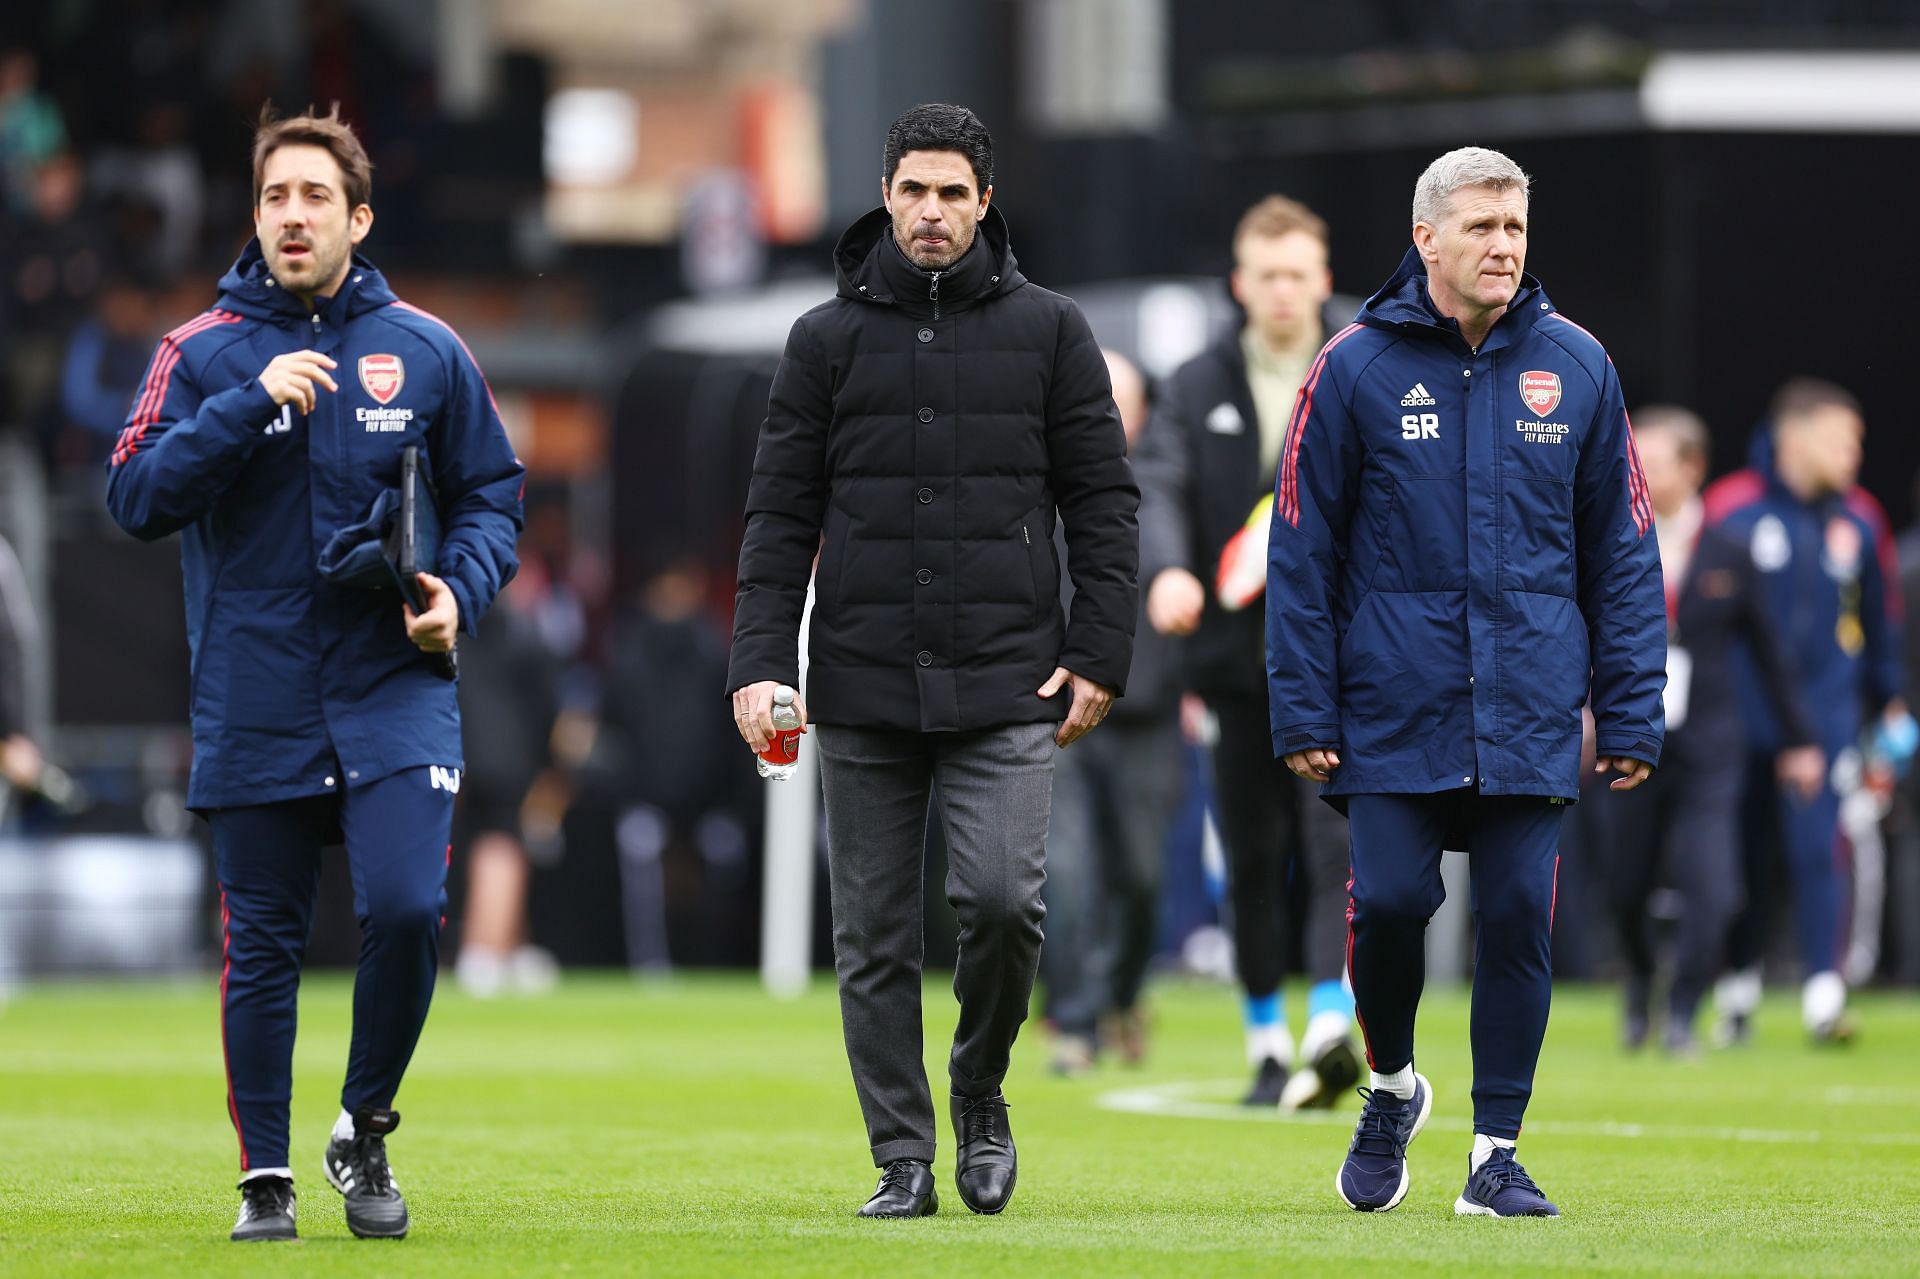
695, 1127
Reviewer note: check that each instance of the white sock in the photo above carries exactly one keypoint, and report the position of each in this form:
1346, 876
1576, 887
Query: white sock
1738, 993
1269, 1041
267, 1172
1822, 1000
343, 1127
1325, 1028
1483, 1146
1399, 1083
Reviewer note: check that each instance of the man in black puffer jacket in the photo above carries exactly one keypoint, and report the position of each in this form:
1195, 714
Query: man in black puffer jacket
930, 421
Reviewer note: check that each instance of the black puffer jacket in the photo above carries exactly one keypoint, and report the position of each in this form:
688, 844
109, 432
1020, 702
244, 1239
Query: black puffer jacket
930, 425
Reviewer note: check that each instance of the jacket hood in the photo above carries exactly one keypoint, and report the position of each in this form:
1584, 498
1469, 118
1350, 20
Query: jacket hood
1403, 304
248, 288
870, 267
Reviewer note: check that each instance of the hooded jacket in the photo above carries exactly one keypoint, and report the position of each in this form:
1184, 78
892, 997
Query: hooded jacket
1829, 580
930, 425
299, 686
1462, 555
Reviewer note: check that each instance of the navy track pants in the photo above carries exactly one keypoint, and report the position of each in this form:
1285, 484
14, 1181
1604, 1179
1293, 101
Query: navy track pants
267, 859
1808, 832
1512, 844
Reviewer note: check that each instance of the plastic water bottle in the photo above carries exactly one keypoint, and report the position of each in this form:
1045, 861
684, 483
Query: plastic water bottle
781, 759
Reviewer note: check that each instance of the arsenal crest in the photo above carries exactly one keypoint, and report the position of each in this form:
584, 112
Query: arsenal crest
384, 375
1540, 391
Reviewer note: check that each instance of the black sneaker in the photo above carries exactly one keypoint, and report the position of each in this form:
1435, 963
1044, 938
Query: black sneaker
358, 1170
1269, 1081
266, 1210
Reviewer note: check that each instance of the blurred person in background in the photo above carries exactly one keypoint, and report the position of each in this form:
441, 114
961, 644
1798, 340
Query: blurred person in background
106, 356
1687, 824
268, 430
1903, 822
1112, 800
21, 764
1460, 558
32, 130
1828, 578
934, 421
509, 702
668, 769
53, 256
1207, 462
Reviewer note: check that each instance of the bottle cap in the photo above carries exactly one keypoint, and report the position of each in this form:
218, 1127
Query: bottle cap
783, 695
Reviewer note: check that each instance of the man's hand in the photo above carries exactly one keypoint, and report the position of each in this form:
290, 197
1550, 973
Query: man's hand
1314, 764
1802, 770
434, 630
753, 713
20, 762
1174, 602
293, 378
1636, 770
1091, 702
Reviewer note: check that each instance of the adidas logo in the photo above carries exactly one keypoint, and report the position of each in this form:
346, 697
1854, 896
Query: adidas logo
1418, 397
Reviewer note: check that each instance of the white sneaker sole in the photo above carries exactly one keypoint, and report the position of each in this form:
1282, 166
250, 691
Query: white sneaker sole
1465, 1207
1406, 1172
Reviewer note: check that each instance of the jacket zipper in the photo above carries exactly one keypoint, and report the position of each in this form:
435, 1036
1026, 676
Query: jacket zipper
1025, 536
933, 294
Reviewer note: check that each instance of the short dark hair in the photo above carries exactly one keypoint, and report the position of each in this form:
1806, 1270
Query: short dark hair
1800, 396
940, 126
328, 132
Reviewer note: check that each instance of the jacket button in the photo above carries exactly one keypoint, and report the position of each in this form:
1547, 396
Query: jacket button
926, 415
924, 658
1466, 372
924, 576
926, 495
926, 335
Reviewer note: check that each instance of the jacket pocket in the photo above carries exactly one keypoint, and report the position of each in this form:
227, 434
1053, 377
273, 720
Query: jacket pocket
267, 643
1042, 570
833, 552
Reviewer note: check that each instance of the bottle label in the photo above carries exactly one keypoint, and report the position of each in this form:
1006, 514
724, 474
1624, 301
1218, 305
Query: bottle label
784, 748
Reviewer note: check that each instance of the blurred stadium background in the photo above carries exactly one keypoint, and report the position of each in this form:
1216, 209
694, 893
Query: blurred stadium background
622, 206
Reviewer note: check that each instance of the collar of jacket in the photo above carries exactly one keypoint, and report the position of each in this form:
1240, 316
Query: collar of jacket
1403, 306
248, 288
871, 268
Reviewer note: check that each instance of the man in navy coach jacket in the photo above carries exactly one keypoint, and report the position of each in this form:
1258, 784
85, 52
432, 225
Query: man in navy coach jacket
263, 427
1461, 558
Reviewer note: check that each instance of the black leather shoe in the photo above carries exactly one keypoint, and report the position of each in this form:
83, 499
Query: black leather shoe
905, 1190
986, 1164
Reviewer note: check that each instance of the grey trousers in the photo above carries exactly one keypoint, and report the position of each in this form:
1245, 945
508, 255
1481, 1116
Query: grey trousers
1112, 799
993, 790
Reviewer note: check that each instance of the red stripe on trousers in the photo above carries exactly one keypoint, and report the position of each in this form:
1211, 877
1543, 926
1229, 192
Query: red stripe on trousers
1358, 1020
226, 1059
